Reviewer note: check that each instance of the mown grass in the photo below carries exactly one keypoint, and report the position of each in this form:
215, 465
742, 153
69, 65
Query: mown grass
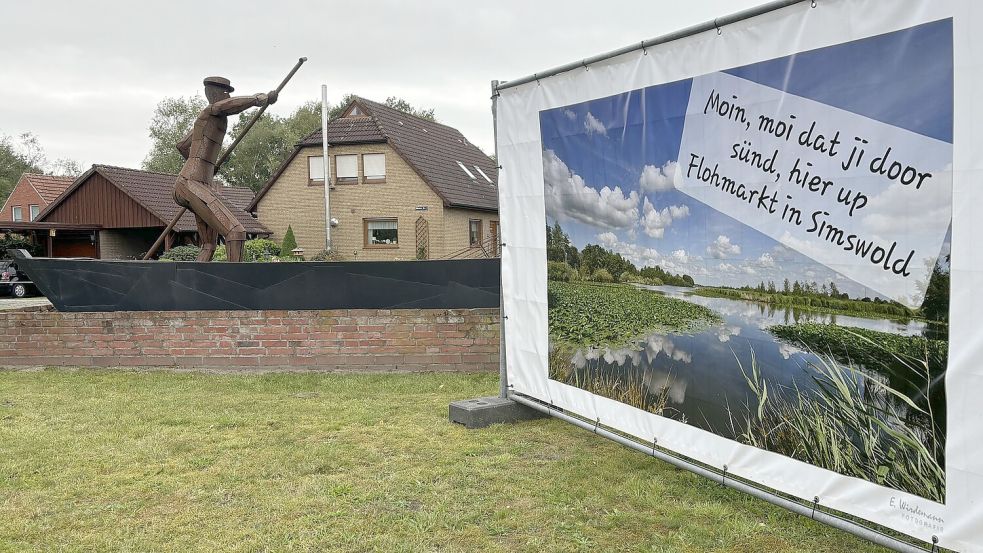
612, 315
157, 461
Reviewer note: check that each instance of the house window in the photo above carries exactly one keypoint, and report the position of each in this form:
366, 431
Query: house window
315, 170
18, 213
35, 210
346, 168
381, 233
474, 233
374, 167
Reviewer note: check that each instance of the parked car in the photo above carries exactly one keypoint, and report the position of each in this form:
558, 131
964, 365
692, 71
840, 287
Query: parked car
15, 282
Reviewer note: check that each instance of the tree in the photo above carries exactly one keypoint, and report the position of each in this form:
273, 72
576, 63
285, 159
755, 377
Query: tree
268, 144
27, 156
392, 101
171, 122
936, 304
254, 160
405, 107
14, 162
289, 242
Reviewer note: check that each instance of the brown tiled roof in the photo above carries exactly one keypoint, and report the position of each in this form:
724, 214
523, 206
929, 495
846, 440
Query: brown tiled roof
48, 186
432, 149
348, 130
155, 192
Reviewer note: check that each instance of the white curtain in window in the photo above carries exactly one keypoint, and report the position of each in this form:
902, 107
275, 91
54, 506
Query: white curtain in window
374, 166
35, 211
315, 168
18, 213
347, 166
382, 225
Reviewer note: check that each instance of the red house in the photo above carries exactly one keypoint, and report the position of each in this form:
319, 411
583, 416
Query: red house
32, 194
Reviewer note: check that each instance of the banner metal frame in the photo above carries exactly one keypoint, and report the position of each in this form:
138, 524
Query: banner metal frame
808, 510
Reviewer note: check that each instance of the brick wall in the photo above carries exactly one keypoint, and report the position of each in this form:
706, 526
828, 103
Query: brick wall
293, 201
23, 195
125, 243
338, 340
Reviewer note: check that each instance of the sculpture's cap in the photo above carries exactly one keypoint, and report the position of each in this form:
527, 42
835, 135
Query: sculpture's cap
220, 82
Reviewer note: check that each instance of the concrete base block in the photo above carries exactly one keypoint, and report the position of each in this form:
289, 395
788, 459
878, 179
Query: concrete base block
485, 411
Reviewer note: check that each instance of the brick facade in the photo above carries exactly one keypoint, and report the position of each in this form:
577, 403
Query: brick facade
338, 340
294, 201
23, 195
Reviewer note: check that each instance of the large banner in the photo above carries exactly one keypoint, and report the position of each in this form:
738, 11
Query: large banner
740, 244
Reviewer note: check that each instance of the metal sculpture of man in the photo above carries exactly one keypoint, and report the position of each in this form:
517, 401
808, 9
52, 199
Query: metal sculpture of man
194, 188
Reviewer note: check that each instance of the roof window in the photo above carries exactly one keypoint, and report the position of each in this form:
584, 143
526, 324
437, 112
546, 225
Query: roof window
465, 169
482, 173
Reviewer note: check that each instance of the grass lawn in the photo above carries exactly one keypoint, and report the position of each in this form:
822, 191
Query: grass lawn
160, 461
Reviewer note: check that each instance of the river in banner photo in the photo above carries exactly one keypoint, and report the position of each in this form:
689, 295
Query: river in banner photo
861, 394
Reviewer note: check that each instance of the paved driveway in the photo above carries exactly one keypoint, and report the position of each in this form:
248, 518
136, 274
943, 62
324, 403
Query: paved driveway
7, 303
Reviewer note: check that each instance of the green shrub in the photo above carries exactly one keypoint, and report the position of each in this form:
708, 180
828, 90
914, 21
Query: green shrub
260, 249
601, 275
16, 241
560, 271
289, 243
325, 255
221, 254
181, 253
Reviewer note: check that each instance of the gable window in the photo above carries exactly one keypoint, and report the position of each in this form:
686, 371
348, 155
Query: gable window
346, 168
315, 170
35, 211
474, 233
374, 167
381, 233
17, 212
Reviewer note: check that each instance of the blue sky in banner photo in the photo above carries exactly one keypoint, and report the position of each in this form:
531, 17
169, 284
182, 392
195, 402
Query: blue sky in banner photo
608, 163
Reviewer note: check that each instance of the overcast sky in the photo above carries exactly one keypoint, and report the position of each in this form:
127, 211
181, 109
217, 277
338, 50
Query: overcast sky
85, 76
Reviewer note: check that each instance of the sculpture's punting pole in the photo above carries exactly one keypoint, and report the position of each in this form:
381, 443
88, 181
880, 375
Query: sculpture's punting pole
170, 226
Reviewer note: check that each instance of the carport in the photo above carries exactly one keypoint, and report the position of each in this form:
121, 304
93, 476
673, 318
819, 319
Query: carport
58, 239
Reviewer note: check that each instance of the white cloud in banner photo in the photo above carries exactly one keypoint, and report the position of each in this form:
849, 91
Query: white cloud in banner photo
766, 261
655, 221
594, 125
723, 248
570, 114
658, 179
569, 197
640, 256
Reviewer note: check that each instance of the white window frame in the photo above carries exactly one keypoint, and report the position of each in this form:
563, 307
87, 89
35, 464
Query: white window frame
466, 171
367, 239
482, 173
17, 214
34, 210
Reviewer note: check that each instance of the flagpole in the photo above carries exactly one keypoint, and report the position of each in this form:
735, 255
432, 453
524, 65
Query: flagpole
326, 166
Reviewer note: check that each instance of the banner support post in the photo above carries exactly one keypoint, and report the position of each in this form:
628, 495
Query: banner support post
503, 374
485, 411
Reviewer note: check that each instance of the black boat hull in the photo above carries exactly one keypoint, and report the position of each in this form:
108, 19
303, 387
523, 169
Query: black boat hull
102, 285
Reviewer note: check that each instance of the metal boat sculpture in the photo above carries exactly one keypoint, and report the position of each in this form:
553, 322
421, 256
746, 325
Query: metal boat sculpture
79, 284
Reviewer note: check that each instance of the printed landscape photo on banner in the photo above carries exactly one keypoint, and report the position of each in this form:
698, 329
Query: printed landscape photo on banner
763, 253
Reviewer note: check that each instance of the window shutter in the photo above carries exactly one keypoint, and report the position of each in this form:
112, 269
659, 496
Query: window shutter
375, 166
315, 168
347, 166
